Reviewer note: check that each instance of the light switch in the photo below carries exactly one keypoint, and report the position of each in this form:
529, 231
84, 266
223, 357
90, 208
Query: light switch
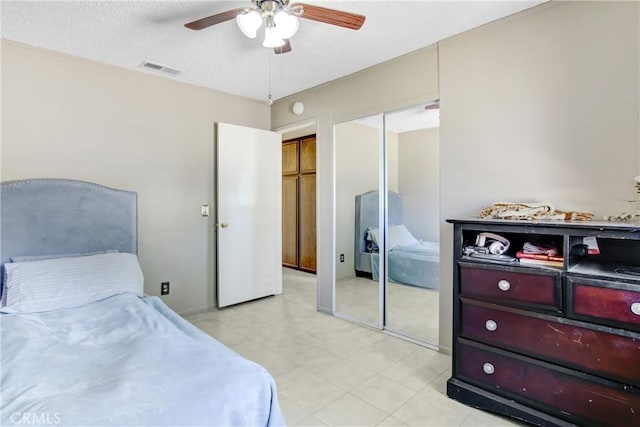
205, 210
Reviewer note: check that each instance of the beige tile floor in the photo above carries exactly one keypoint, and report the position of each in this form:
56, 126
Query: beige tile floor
331, 372
411, 310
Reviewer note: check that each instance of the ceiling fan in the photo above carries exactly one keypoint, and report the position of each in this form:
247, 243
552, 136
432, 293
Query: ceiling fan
280, 20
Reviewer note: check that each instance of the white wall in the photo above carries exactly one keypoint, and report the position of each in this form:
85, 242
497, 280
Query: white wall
541, 105
65, 117
419, 182
393, 161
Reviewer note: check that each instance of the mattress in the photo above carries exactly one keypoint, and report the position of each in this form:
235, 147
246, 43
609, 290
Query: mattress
127, 361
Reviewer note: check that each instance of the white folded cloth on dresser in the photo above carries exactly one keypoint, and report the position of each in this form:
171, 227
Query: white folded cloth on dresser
530, 211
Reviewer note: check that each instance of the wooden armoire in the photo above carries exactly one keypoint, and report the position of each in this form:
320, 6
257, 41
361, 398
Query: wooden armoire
299, 203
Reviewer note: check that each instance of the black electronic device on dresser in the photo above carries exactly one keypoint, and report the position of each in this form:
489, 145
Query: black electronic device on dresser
553, 340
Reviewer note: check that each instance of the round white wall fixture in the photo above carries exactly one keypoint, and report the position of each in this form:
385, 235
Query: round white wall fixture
297, 108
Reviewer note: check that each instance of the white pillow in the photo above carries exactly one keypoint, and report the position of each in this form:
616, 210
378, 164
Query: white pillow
69, 282
397, 235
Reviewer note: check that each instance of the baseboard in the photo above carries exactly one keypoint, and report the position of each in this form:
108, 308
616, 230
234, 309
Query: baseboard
197, 311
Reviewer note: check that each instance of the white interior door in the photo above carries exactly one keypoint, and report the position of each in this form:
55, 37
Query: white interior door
249, 213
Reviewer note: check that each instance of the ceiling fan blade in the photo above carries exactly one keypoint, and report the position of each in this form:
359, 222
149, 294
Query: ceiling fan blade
340, 18
286, 47
203, 23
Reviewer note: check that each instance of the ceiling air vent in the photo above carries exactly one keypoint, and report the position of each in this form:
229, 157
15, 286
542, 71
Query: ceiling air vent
162, 68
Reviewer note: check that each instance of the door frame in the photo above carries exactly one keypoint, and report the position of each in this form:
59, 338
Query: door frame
301, 128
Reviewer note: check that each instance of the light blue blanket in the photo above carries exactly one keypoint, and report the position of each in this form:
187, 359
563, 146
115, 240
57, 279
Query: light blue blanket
126, 361
416, 265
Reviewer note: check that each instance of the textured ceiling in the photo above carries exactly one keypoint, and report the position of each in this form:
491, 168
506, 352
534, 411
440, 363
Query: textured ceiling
220, 57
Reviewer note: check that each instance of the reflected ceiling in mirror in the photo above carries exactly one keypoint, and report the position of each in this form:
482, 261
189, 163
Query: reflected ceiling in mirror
410, 119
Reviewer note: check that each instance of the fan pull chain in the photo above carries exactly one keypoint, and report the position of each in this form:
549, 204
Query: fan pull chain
269, 97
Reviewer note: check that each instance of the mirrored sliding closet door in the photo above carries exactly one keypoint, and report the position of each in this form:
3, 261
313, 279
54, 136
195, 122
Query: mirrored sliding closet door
392, 215
358, 162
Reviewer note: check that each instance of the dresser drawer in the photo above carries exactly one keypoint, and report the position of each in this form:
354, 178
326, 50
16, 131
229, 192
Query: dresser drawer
518, 288
602, 353
564, 393
604, 301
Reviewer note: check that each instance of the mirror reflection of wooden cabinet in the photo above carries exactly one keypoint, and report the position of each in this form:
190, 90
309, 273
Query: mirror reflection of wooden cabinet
299, 203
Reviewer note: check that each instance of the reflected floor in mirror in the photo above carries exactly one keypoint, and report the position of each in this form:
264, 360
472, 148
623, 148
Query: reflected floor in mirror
411, 310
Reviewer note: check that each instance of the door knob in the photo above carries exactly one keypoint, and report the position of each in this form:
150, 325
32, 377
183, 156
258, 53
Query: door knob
223, 225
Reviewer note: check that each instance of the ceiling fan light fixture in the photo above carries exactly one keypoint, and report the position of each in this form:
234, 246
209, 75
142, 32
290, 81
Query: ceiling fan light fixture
286, 24
272, 38
279, 19
249, 23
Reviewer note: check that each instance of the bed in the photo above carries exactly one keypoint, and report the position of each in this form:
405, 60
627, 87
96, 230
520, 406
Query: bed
81, 343
410, 261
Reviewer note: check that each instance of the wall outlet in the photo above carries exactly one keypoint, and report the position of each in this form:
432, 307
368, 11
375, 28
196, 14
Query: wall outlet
164, 288
341, 257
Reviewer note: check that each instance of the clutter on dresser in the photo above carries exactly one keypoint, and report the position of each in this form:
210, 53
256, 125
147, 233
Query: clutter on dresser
489, 246
542, 254
624, 217
629, 216
531, 211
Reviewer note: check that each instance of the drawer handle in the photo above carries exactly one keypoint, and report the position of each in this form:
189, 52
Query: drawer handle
491, 325
488, 368
504, 285
635, 308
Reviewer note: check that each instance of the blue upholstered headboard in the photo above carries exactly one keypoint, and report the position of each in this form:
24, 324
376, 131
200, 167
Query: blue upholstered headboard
366, 216
61, 216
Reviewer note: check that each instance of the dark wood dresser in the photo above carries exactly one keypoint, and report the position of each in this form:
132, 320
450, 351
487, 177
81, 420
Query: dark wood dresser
552, 345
